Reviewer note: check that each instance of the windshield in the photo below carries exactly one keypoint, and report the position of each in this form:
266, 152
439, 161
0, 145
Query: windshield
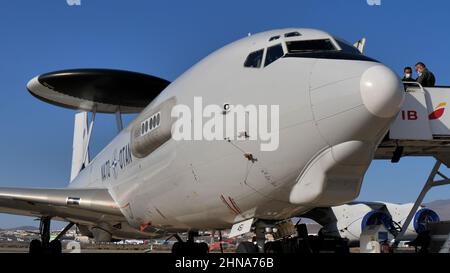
307, 46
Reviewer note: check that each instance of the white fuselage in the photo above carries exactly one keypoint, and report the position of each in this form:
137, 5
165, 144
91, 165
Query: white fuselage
350, 220
325, 104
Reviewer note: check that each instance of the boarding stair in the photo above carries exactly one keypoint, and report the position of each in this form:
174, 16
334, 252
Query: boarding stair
422, 129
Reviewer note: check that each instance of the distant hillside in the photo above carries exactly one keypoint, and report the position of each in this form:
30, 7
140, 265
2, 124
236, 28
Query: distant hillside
31, 228
441, 207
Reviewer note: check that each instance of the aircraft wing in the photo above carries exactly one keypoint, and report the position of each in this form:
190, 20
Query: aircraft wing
72, 205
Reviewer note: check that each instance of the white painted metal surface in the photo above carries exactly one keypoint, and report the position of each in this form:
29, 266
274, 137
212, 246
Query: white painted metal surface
326, 104
412, 122
80, 143
424, 115
241, 228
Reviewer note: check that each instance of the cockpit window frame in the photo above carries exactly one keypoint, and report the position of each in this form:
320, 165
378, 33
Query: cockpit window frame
341, 50
338, 54
267, 52
274, 38
292, 34
331, 40
263, 50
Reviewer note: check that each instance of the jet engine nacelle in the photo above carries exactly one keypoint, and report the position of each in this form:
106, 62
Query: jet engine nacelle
421, 218
349, 220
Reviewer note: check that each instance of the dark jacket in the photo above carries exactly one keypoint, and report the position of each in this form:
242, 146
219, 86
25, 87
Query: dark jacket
427, 78
406, 82
408, 79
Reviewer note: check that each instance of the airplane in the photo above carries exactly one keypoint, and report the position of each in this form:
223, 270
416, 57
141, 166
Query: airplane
348, 221
335, 107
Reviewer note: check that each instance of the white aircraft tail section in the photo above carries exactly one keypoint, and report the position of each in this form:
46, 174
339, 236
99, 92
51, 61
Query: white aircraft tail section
80, 156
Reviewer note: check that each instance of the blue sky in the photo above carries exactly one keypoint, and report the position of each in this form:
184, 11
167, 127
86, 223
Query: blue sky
164, 38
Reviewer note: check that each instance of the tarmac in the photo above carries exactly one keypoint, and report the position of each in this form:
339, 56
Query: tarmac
25, 250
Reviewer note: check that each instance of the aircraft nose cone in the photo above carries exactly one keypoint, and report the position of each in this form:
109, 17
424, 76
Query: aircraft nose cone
381, 91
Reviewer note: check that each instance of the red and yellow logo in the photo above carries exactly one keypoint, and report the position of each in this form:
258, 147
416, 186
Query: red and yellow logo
438, 111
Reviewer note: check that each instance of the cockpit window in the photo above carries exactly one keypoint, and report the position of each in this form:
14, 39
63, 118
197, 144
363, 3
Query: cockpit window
273, 38
292, 34
273, 53
347, 48
254, 59
308, 46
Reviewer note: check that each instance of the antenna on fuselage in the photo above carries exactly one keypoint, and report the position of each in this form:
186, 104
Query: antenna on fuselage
360, 45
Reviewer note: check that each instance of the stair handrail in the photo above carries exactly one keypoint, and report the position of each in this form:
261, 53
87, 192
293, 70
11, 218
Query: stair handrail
409, 83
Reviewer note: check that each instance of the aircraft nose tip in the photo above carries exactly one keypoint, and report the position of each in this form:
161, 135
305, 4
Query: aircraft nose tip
381, 91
